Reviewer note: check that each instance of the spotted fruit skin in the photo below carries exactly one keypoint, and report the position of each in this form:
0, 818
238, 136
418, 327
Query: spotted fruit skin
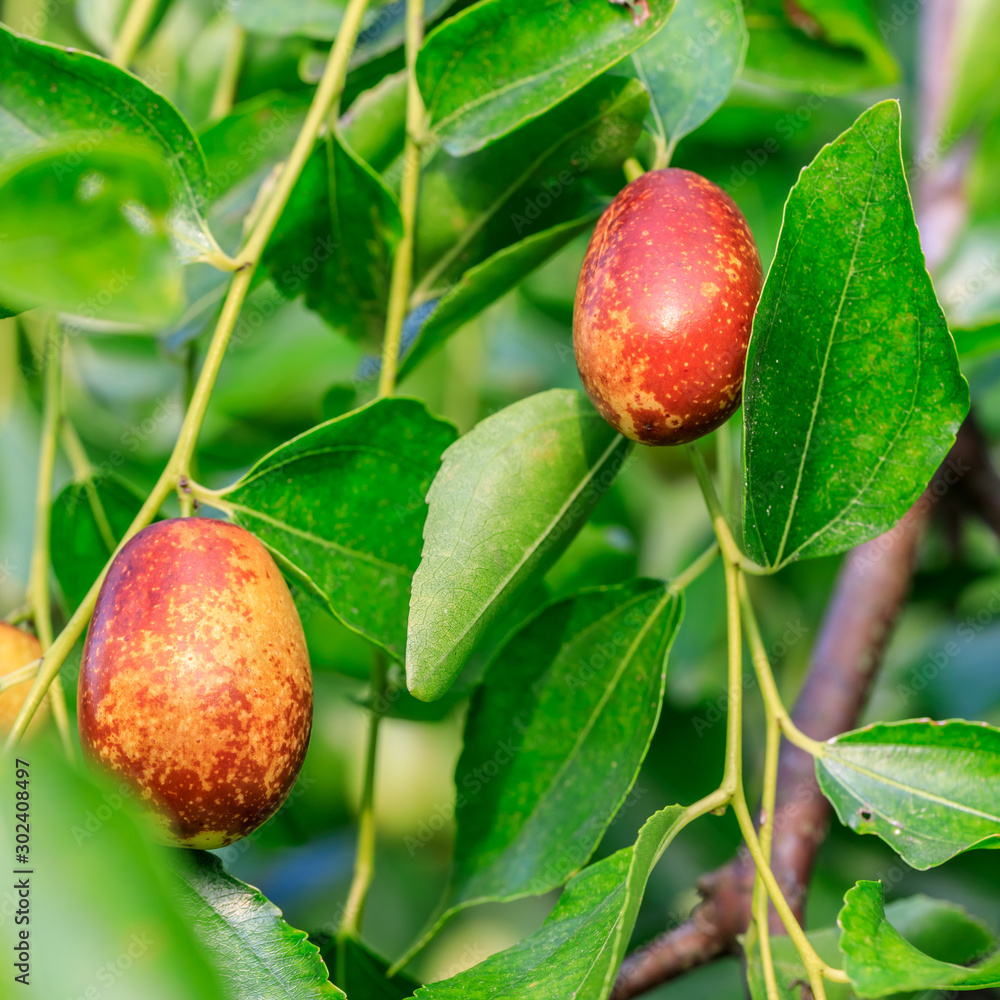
17, 649
195, 683
664, 306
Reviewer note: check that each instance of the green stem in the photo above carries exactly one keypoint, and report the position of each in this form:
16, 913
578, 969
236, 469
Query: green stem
633, 169
364, 860
38, 595
689, 574
759, 905
724, 465
727, 543
229, 75
130, 35
19, 676
179, 462
402, 265
815, 967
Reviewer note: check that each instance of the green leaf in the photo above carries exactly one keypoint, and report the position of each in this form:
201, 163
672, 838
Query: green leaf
374, 126
85, 233
500, 63
821, 46
566, 713
576, 953
942, 929
258, 954
88, 521
881, 961
509, 498
101, 910
341, 507
689, 66
853, 393
430, 325
335, 241
928, 789
51, 95
363, 974
532, 180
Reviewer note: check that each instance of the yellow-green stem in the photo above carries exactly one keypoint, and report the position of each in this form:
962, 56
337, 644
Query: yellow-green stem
724, 465
20, 675
815, 967
364, 859
402, 264
229, 75
759, 905
38, 593
178, 464
130, 35
633, 169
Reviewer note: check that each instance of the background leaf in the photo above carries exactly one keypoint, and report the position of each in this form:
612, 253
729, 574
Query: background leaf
101, 911
88, 521
576, 953
50, 95
881, 961
257, 953
566, 712
501, 63
430, 325
342, 506
822, 46
509, 498
689, 66
85, 233
928, 789
853, 393
363, 974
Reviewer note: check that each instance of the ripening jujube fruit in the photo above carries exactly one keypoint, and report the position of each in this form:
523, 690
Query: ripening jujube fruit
17, 649
664, 306
195, 683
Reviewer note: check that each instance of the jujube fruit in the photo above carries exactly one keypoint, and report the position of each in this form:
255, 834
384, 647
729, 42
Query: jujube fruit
195, 683
664, 306
17, 649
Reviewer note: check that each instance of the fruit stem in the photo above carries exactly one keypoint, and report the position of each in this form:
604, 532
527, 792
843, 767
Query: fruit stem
38, 594
402, 264
632, 169
229, 75
330, 87
364, 860
130, 35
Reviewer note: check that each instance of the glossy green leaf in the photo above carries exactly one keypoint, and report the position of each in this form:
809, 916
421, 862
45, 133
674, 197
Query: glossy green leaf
689, 66
363, 974
85, 233
880, 961
509, 498
940, 928
257, 953
88, 521
342, 506
500, 63
928, 789
49, 94
102, 916
429, 326
555, 736
532, 180
853, 393
822, 46
576, 953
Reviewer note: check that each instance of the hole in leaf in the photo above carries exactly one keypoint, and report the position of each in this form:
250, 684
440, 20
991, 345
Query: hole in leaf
866, 814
